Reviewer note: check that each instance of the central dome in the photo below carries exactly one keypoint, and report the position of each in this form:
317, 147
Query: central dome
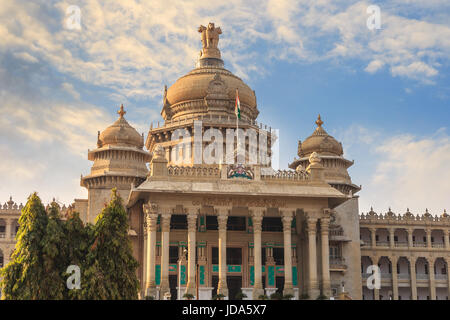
209, 88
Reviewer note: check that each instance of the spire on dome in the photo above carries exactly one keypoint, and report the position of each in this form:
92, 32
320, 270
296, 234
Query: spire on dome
121, 112
319, 121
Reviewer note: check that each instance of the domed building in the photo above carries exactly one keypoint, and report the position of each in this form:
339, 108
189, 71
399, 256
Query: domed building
234, 224
119, 162
331, 153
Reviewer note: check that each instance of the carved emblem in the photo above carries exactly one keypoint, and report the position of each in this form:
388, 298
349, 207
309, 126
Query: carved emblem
239, 171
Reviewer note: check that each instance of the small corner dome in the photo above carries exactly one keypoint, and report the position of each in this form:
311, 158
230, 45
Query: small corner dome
120, 133
321, 142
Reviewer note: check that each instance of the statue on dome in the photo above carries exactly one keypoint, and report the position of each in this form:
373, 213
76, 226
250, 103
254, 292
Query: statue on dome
210, 35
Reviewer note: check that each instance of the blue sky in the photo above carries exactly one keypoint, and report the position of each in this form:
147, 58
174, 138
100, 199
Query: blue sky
384, 93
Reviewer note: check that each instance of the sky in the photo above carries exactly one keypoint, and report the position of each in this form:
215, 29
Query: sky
382, 90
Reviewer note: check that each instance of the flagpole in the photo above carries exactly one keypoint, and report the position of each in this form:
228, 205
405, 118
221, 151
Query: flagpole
237, 127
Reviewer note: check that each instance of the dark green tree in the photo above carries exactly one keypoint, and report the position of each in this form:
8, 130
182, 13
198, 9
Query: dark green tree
110, 271
23, 277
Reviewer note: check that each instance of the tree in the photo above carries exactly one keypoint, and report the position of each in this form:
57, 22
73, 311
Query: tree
78, 241
25, 276
110, 271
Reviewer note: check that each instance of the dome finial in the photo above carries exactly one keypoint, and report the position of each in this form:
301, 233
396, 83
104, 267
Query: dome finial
210, 40
121, 112
319, 121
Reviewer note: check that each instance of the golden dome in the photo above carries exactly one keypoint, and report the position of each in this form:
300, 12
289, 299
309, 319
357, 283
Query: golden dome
120, 133
195, 85
321, 142
209, 88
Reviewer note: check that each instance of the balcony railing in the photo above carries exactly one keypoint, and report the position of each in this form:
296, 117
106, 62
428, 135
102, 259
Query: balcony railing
419, 244
366, 243
440, 277
382, 244
403, 276
401, 244
386, 275
337, 263
437, 245
422, 276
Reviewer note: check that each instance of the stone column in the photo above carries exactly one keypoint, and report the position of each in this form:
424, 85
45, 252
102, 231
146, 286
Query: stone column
446, 240
313, 287
430, 261
447, 262
8, 229
394, 261
412, 268
373, 232
151, 220
410, 237
192, 229
287, 221
257, 216
222, 219
326, 284
391, 238
165, 233
428, 232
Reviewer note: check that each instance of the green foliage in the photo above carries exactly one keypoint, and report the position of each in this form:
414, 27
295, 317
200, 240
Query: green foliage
110, 271
276, 296
46, 245
26, 276
263, 297
322, 297
240, 295
288, 297
304, 296
189, 296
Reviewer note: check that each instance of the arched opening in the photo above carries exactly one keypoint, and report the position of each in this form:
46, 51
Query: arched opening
401, 238
382, 237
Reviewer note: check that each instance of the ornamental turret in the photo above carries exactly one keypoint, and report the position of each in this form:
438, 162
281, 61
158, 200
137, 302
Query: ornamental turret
119, 162
330, 151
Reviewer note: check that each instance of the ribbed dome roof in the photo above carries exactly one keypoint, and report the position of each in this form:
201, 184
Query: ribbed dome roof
195, 84
321, 142
120, 133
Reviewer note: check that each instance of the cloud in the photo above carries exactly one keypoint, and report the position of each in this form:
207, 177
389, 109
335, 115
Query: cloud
411, 172
374, 66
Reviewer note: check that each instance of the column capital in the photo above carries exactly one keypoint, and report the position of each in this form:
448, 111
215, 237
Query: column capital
430, 260
412, 260
151, 220
446, 232
257, 216
394, 260
222, 219
391, 230
150, 208
311, 224
192, 221
165, 222
324, 224
372, 229
286, 217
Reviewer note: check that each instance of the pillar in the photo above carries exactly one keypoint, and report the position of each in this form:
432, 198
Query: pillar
430, 261
447, 262
394, 261
391, 238
446, 240
287, 221
165, 233
222, 219
428, 232
8, 229
410, 237
151, 220
373, 232
412, 268
257, 216
324, 229
313, 288
192, 229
